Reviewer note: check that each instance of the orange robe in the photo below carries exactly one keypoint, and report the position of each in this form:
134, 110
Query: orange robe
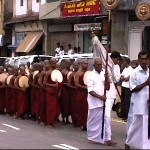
51, 103
81, 105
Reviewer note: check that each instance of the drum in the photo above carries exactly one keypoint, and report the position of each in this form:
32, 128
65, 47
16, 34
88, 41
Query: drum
8, 79
69, 73
3, 76
56, 76
24, 82
35, 73
85, 77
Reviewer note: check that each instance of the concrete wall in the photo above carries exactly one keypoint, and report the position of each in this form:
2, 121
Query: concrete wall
118, 32
20, 10
50, 10
35, 6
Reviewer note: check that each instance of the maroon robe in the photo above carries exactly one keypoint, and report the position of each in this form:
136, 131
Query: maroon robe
33, 96
73, 101
21, 102
13, 101
65, 102
81, 104
51, 103
42, 105
37, 99
7, 99
2, 97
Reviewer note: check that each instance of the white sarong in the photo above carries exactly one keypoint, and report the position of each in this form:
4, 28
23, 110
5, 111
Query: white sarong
94, 125
137, 135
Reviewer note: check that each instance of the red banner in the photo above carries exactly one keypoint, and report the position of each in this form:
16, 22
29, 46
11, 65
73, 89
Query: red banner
80, 8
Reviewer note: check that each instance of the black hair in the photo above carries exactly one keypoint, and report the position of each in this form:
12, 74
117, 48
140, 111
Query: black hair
142, 53
126, 59
115, 54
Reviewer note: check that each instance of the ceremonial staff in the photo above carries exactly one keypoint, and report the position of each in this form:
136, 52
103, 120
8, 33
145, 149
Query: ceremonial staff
143, 13
109, 5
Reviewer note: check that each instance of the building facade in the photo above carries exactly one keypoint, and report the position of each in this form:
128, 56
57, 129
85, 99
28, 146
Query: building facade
27, 30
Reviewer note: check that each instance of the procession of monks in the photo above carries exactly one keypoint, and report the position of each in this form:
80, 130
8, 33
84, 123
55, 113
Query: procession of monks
44, 100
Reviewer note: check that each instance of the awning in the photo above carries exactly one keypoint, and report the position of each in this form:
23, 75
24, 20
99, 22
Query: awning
29, 42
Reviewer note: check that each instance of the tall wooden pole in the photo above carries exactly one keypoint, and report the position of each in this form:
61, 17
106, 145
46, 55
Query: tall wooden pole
106, 70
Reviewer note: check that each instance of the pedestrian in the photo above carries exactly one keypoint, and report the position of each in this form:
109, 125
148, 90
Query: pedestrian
137, 133
57, 50
62, 51
70, 50
111, 96
125, 89
96, 99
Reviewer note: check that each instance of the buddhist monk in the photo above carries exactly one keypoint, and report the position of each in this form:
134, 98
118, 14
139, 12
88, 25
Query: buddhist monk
71, 85
13, 100
81, 96
21, 95
51, 94
2, 95
8, 91
43, 92
65, 103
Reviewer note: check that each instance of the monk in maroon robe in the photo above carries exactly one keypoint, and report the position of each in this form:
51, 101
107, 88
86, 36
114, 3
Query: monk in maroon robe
81, 97
2, 95
33, 93
13, 100
43, 92
35, 84
21, 96
8, 92
65, 102
51, 95
71, 85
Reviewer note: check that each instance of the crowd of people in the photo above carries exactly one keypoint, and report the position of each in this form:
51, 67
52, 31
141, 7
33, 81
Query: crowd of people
82, 99
59, 51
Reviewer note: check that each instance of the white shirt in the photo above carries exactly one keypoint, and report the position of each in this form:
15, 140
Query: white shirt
95, 82
139, 99
112, 92
57, 50
126, 73
61, 53
70, 51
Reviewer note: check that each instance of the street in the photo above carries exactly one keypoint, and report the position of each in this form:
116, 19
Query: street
27, 134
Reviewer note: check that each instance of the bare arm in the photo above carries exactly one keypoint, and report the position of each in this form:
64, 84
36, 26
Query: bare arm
77, 82
94, 94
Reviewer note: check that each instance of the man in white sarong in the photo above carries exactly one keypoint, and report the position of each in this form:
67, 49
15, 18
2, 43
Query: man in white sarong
96, 98
137, 134
114, 76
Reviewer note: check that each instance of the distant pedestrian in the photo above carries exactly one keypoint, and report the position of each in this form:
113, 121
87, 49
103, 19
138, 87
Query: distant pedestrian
57, 50
61, 52
70, 50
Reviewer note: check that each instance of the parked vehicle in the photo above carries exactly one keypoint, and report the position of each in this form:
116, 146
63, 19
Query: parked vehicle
2, 60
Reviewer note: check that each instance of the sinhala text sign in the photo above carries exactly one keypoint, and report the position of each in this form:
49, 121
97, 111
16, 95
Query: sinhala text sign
80, 8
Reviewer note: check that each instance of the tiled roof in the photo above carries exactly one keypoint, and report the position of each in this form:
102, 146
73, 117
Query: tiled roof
23, 19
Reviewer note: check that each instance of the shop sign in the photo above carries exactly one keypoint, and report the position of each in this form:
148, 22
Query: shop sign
87, 27
80, 8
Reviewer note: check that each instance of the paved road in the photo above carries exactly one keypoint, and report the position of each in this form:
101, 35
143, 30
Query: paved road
26, 134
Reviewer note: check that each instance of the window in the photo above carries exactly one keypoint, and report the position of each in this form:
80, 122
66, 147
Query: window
21, 2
